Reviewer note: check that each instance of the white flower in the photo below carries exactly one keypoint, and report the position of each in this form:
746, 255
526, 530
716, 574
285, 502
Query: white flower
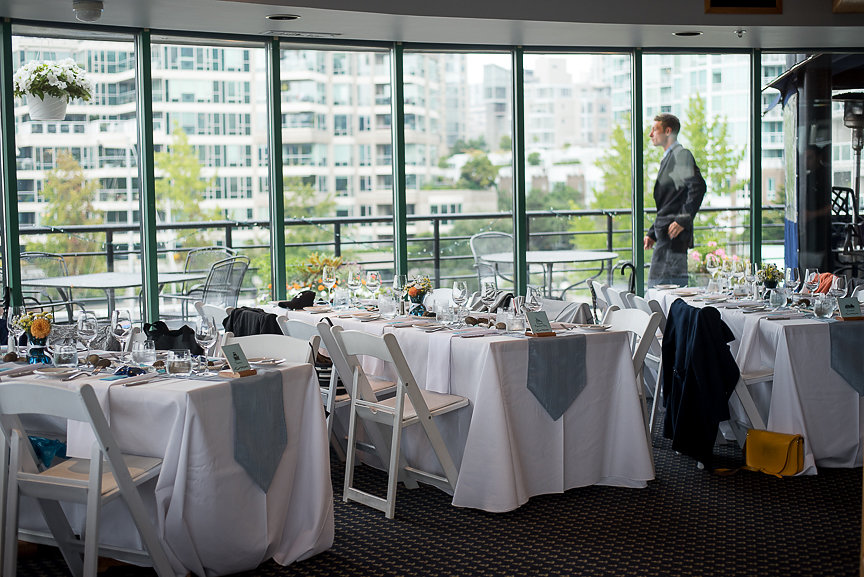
60, 79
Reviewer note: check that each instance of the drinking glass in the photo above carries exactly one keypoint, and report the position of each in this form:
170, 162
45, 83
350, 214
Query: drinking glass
355, 281
777, 298
488, 292
838, 286
121, 328
387, 306
66, 355
533, 300
823, 306
400, 281
88, 328
15, 328
373, 280
328, 279
206, 334
144, 353
712, 264
811, 279
793, 279
751, 276
179, 362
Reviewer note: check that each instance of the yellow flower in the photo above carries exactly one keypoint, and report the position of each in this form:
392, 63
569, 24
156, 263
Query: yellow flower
40, 328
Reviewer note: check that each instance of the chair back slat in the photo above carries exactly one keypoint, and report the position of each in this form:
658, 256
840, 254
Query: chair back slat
273, 346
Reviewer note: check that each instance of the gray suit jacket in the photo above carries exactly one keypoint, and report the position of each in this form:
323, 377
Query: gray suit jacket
678, 194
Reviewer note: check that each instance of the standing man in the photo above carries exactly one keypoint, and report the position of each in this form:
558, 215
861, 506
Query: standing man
678, 194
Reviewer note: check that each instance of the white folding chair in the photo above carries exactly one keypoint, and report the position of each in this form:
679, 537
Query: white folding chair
598, 291
616, 297
643, 328
410, 406
219, 313
273, 346
654, 357
73, 480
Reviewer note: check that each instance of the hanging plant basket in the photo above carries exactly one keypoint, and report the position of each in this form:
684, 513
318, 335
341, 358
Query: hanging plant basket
49, 108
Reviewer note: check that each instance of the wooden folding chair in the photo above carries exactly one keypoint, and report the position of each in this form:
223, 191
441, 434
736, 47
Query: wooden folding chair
72, 480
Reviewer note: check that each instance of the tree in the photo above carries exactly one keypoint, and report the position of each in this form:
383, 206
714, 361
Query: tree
478, 173
474, 144
69, 197
534, 159
180, 187
506, 143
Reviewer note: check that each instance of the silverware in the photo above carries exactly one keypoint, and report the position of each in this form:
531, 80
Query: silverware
74, 375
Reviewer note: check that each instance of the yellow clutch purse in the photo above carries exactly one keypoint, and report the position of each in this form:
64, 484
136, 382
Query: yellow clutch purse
777, 454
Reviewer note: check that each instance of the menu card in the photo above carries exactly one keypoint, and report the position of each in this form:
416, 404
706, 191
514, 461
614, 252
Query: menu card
236, 358
538, 322
849, 307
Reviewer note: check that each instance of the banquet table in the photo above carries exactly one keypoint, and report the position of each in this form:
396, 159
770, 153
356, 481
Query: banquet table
808, 396
506, 446
211, 516
549, 258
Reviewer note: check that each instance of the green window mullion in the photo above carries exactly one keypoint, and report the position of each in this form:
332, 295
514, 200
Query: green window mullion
146, 175
638, 168
756, 156
397, 122
11, 245
520, 217
278, 275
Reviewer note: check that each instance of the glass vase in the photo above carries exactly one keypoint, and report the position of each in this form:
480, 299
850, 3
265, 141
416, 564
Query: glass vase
417, 308
36, 351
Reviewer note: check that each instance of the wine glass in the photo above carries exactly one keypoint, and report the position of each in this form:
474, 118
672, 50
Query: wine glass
712, 264
811, 280
373, 280
15, 328
460, 296
121, 328
328, 279
88, 329
793, 279
533, 300
355, 281
751, 271
488, 292
838, 286
206, 334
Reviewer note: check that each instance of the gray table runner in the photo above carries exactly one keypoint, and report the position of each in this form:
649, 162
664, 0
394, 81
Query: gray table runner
847, 352
556, 371
260, 435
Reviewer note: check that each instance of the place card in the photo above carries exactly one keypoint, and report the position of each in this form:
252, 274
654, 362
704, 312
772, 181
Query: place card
850, 308
237, 361
538, 324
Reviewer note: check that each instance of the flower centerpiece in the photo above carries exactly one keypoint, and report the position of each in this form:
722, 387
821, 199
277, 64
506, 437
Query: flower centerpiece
770, 276
307, 273
416, 290
37, 327
50, 86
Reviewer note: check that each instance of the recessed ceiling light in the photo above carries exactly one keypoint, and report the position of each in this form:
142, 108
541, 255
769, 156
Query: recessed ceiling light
688, 33
282, 17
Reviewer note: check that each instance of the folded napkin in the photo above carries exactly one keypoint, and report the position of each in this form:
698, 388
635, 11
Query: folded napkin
556, 371
302, 300
847, 342
825, 280
260, 434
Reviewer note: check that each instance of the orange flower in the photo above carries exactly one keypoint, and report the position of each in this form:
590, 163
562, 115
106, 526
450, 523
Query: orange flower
40, 328
412, 291
321, 287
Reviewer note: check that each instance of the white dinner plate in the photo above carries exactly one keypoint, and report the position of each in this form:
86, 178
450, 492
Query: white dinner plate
595, 327
664, 287
685, 292
54, 371
265, 361
318, 309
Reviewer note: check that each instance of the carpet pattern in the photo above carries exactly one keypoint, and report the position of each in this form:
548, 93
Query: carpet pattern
686, 523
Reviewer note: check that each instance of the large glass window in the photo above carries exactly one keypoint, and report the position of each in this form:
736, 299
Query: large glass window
210, 157
710, 96
577, 151
458, 110
78, 175
350, 170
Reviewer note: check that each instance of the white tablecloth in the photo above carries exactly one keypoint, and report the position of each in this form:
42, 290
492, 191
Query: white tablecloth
212, 517
506, 446
808, 397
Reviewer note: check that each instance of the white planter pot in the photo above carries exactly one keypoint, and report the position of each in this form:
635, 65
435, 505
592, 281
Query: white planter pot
51, 108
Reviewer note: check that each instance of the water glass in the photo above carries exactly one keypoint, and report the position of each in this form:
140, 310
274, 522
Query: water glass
341, 299
88, 328
387, 306
777, 298
144, 353
66, 355
823, 307
516, 323
179, 363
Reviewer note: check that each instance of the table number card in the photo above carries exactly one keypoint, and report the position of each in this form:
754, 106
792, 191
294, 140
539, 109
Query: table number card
850, 308
237, 361
538, 324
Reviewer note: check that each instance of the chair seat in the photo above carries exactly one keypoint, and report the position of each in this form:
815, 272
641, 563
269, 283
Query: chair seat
438, 404
378, 385
140, 469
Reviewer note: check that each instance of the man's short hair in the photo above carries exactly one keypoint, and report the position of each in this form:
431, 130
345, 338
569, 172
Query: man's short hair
669, 121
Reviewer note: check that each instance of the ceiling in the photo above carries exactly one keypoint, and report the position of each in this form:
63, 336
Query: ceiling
804, 25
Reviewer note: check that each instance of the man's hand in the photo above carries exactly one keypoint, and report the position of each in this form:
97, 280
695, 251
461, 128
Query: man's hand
675, 229
648, 243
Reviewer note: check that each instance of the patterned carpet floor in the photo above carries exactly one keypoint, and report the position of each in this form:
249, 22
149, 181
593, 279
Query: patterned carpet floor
687, 522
